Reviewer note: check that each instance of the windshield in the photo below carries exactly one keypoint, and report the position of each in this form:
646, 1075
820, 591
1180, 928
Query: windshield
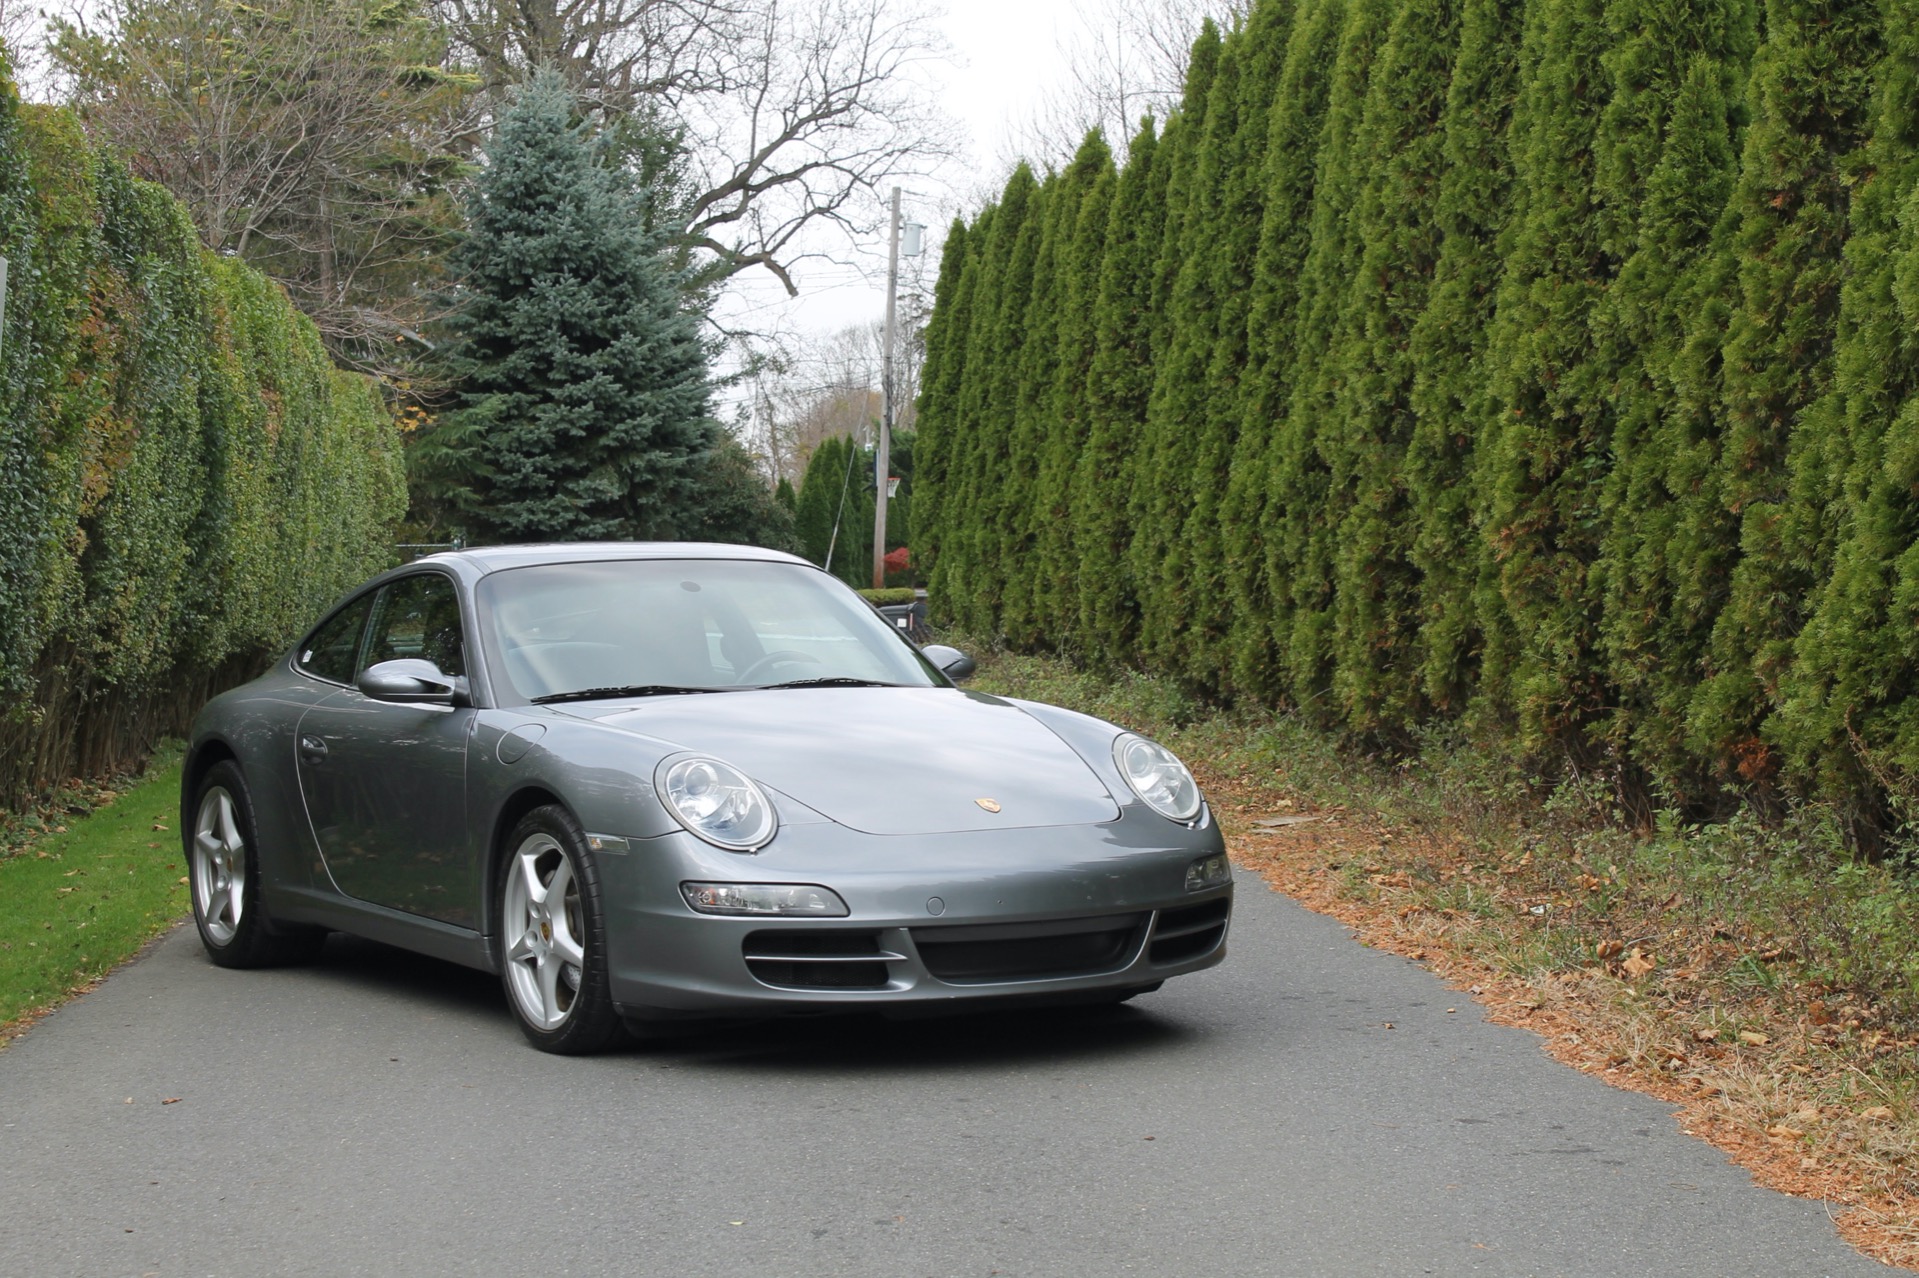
637, 626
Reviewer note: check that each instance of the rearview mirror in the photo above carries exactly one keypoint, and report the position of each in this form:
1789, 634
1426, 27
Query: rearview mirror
411, 681
953, 663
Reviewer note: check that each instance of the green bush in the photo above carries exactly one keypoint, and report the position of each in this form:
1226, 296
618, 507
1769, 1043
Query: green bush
185, 479
890, 596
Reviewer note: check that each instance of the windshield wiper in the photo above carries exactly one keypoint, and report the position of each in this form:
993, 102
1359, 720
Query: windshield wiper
609, 694
830, 681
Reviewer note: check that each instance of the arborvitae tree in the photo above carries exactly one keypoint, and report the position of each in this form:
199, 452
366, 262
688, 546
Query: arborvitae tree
1287, 170
963, 574
940, 377
1850, 723
1227, 258
783, 494
1666, 165
834, 522
1376, 625
1811, 109
1030, 495
1177, 415
1301, 496
1154, 493
1005, 469
1118, 386
818, 499
939, 522
1449, 351
1546, 454
1056, 581
584, 400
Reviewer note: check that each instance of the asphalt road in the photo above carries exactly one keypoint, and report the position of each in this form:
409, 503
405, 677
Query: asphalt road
380, 1114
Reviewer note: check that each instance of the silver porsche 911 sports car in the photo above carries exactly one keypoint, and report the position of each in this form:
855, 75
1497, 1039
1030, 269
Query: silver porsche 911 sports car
654, 782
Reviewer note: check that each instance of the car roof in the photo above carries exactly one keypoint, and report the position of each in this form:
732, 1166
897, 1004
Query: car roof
481, 560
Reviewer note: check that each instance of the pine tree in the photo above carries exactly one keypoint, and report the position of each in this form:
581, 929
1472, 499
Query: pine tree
1449, 352
1666, 165
1811, 109
1375, 680
1118, 386
1287, 172
1302, 496
584, 396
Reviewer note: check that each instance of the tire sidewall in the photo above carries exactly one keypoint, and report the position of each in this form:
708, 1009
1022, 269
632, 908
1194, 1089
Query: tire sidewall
593, 1022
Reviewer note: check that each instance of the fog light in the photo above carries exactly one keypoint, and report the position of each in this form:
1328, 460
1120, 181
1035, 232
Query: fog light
797, 899
1208, 871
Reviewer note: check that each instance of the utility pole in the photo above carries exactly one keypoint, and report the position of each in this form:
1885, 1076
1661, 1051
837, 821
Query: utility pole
883, 448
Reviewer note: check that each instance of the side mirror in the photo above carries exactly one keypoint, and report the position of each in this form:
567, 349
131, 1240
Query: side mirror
411, 681
953, 663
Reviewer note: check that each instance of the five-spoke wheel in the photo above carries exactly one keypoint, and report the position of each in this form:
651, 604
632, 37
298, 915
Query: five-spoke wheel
219, 866
552, 946
224, 877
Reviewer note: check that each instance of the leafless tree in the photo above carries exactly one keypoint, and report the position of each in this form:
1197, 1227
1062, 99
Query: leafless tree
23, 32
316, 138
829, 384
1125, 59
789, 118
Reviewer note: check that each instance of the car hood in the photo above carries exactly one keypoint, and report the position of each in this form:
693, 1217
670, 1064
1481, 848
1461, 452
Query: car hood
885, 760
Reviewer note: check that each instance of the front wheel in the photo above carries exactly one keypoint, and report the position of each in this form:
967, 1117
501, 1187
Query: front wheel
223, 871
553, 937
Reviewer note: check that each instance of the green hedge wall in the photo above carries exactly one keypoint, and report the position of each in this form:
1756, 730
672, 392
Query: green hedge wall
185, 479
1543, 366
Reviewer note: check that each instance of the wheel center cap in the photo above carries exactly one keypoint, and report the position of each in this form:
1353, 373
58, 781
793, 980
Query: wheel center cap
546, 929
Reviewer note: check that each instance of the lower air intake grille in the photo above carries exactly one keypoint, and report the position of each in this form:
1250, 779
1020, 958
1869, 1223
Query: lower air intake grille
818, 959
1190, 931
1029, 951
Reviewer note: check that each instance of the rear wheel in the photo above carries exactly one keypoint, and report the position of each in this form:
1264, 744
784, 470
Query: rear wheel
223, 872
553, 937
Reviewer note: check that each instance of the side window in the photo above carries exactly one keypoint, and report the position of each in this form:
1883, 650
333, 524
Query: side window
417, 617
330, 651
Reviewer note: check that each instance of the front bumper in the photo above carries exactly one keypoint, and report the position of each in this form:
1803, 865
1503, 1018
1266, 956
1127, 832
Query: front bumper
936, 923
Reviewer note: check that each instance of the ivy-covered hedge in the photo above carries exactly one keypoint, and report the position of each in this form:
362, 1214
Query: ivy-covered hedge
1549, 367
185, 479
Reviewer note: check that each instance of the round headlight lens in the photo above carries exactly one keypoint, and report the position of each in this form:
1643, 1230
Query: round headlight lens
716, 801
1157, 777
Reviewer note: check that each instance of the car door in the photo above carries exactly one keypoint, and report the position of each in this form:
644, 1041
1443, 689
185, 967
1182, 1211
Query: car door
385, 784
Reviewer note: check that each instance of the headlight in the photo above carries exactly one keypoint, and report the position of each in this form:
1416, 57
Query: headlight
1157, 777
803, 899
716, 801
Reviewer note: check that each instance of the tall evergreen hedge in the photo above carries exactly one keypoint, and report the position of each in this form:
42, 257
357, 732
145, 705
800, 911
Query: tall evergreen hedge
1548, 366
185, 479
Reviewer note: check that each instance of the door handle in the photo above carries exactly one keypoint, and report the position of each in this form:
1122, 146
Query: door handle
312, 750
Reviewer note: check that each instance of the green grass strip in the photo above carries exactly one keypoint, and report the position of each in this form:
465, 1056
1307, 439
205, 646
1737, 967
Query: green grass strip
80, 902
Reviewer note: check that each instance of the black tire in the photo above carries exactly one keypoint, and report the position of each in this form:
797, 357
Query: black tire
223, 878
552, 956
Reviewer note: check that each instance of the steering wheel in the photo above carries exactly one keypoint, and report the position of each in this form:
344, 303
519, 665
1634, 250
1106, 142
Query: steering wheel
784, 657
